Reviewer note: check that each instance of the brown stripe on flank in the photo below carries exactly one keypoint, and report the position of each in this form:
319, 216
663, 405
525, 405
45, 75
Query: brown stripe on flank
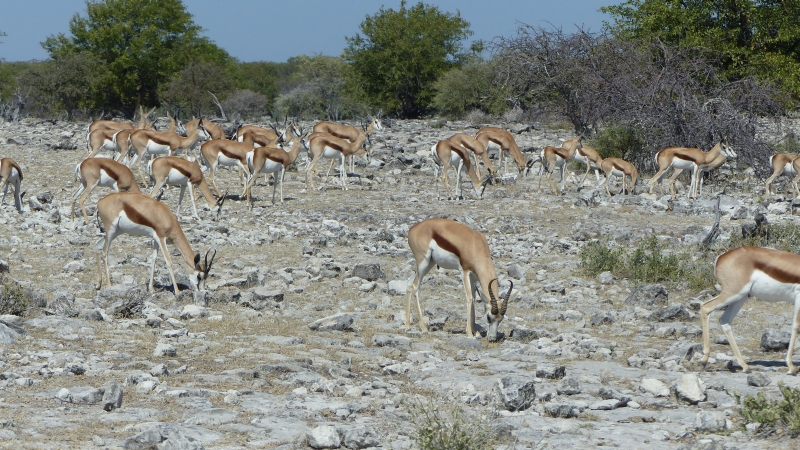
617, 166
446, 245
136, 217
158, 140
683, 156
109, 168
230, 155
776, 273
182, 170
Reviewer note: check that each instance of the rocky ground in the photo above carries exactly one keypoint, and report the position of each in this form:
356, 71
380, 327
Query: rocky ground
301, 339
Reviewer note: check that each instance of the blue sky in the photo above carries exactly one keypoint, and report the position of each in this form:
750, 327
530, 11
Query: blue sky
275, 30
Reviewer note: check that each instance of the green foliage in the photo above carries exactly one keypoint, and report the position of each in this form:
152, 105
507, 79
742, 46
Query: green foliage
782, 236
319, 90
142, 43
618, 141
66, 83
399, 55
13, 299
9, 73
468, 88
755, 37
647, 263
771, 412
790, 144
597, 257
191, 86
444, 425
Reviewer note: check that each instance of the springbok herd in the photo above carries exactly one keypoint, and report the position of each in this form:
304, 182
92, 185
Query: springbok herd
748, 271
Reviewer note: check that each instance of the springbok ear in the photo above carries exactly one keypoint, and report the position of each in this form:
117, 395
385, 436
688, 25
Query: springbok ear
196, 260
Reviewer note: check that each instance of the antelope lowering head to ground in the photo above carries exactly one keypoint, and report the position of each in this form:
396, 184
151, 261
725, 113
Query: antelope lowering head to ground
162, 143
222, 152
272, 160
348, 132
477, 149
502, 140
10, 173
781, 163
452, 245
692, 159
277, 132
584, 155
176, 171
768, 274
448, 154
323, 145
619, 168
140, 215
213, 130
556, 157
106, 172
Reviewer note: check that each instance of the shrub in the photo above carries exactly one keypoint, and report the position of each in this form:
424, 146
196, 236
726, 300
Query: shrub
443, 424
772, 412
617, 142
467, 88
648, 263
13, 299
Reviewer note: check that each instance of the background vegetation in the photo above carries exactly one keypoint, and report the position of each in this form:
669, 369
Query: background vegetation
660, 73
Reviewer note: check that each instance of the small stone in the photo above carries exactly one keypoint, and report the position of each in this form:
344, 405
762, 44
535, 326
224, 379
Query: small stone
112, 396
654, 387
164, 349
516, 393
690, 389
369, 272
709, 421
516, 271
648, 295
569, 386
605, 278
758, 379
550, 371
193, 312
337, 322
398, 287
159, 370
775, 340
323, 437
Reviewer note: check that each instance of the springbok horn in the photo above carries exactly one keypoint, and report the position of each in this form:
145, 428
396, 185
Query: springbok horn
210, 263
492, 300
505, 300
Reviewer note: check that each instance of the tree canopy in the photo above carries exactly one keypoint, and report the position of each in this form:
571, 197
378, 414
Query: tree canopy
754, 37
399, 55
142, 43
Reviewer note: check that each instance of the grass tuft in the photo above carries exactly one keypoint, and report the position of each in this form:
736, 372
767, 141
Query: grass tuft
773, 413
444, 424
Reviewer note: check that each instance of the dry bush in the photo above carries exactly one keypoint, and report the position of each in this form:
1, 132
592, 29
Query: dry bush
668, 96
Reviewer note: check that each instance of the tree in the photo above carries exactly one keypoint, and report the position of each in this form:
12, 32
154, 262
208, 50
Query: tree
468, 88
319, 90
400, 54
142, 43
66, 83
754, 37
191, 86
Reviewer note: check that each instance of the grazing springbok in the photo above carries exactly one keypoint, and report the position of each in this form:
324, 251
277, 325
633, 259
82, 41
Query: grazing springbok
10, 173
348, 132
272, 160
619, 168
556, 157
502, 140
140, 215
470, 143
584, 155
162, 143
323, 145
176, 171
106, 172
448, 154
222, 152
452, 245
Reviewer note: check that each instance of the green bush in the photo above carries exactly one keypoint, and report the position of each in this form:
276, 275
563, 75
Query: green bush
647, 263
13, 299
468, 88
772, 412
444, 425
781, 236
617, 142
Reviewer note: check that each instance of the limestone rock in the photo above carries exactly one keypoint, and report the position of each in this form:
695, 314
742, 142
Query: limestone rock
516, 393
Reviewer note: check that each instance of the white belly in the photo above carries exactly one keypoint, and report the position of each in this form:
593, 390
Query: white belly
771, 290
156, 149
617, 173
331, 153
580, 158
789, 170
125, 225
442, 257
682, 164
108, 144
176, 178
225, 161
271, 166
107, 181
492, 146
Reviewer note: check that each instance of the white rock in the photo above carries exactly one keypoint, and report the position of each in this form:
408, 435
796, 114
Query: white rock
654, 387
323, 437
164, 349
193, 312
